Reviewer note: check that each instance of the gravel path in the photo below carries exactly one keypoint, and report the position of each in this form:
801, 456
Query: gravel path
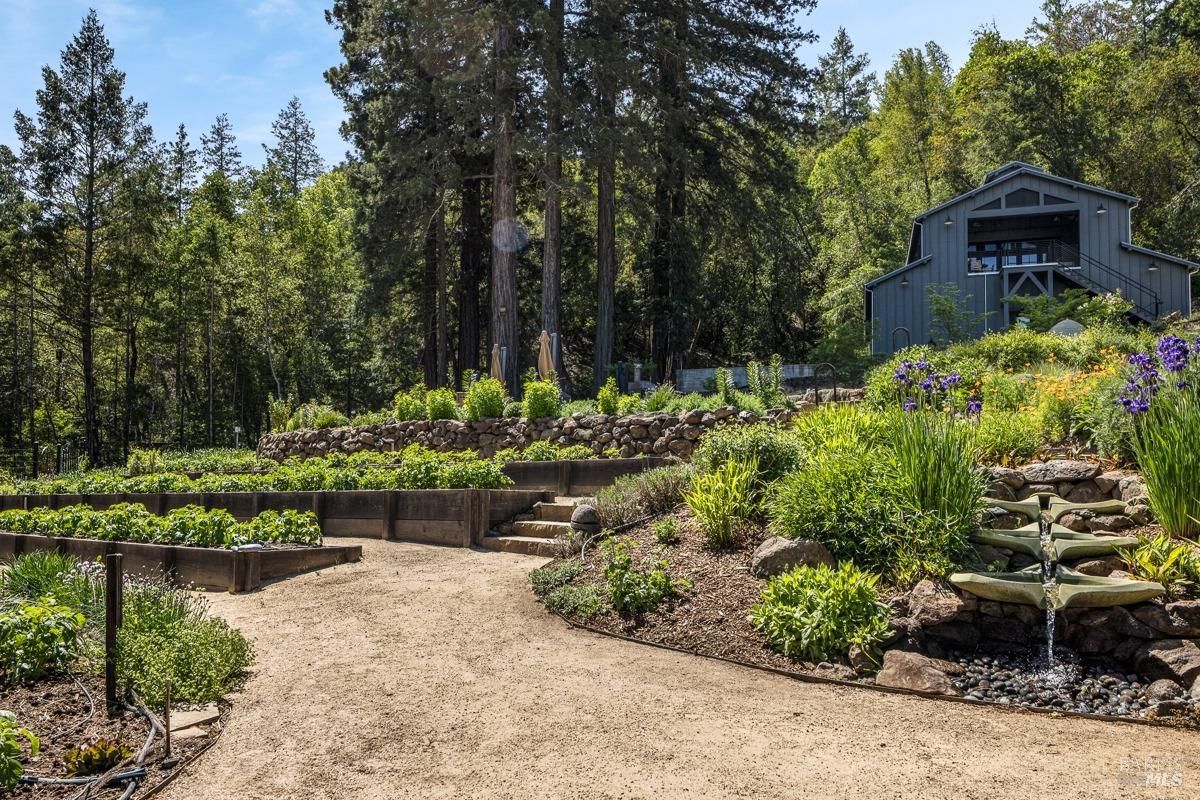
431, 672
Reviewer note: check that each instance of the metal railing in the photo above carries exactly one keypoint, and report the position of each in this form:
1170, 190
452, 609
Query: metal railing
1090, 273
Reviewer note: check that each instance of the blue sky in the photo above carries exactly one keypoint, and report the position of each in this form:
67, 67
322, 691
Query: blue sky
193, 60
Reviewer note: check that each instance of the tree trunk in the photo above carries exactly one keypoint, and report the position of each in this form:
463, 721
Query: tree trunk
504, 211
208, 346
443, 332
552, 252
669, 246
470, 276
606, 254
428, 303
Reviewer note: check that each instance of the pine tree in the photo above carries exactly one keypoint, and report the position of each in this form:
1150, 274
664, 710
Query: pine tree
182, 168
78, 158
843, 88
295, 152
220, 150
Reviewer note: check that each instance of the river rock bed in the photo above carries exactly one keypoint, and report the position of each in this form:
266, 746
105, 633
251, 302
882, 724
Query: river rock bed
1026, 680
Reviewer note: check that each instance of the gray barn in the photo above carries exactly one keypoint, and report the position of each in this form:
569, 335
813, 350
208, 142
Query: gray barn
1023, 232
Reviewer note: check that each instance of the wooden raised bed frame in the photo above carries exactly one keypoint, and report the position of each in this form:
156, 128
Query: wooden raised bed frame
456, 517
201, 567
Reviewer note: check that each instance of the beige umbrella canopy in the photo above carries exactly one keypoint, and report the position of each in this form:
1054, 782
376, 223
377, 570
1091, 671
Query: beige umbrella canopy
545, 360
497, 370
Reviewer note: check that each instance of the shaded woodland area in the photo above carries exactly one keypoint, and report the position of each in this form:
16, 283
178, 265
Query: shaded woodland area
668, 183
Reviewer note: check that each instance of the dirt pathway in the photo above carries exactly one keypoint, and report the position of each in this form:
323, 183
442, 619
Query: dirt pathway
430, 672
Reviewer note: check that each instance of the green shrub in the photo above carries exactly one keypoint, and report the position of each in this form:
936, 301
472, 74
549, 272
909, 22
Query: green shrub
766, 382
1166, 442
661, 398
1175, 565
409, 405
542, 399
633, 591
12, 739
37, 639
581, 602
485, 399
37, 574
838, 426
168, 635
440, 404
371, 418
1006, 437
666, 531
629, 404
722, 499
724, 387
642, 494
279, 412
1102, 423
608, 397
548, 578
315, 416
543, 450
775, 451
856, 504
817, 613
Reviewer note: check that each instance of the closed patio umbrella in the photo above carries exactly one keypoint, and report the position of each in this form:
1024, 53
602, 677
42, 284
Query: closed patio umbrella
497, 370
545, 360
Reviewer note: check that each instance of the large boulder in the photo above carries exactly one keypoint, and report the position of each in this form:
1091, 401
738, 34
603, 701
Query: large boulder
1060, 470
1012, 478
1176, 659
913, 671
1180, 619
1086, 492
931, 604
777, 555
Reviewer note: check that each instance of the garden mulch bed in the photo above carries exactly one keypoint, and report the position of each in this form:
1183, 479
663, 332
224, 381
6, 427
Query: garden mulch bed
710, 616
59, 713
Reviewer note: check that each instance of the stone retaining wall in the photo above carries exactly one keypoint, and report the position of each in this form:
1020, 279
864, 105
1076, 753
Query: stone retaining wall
1075, 482
1156, 639
637, 434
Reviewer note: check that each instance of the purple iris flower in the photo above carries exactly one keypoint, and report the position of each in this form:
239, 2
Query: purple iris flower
924, 365
927, 384
910, 404
952, 379
974, 405
1173, 353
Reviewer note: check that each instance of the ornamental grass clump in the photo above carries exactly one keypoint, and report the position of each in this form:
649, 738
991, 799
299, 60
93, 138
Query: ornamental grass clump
818, 613
1162, 395
722, 500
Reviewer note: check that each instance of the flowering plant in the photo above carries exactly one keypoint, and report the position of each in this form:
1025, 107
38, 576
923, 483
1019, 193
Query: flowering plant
922, 386
1161, 393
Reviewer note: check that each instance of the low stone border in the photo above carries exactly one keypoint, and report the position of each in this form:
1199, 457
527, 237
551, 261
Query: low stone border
806, 677
202, 567
457, 517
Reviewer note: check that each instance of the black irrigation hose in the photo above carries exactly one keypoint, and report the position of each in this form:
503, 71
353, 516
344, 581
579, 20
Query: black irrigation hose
158, 787
808, 678
87, 781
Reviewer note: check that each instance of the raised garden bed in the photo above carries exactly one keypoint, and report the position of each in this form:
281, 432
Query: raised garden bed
457, 517
576, 476
201, 567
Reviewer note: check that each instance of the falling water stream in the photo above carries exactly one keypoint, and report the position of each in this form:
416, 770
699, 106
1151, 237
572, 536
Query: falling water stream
1050, 586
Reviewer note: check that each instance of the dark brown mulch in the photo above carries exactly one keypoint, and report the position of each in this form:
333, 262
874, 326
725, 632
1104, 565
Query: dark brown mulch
711, 616
57, 711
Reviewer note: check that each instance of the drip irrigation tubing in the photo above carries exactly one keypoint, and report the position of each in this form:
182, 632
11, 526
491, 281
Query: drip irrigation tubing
809, 678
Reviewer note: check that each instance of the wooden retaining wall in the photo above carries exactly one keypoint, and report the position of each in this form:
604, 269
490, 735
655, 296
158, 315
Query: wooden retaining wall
202, 567
458, 517
577, 477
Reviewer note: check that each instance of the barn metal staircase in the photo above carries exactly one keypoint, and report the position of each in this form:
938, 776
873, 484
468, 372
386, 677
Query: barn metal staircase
1088, 273
1099, 278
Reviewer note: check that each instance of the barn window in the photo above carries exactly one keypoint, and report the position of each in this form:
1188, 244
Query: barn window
1021, 198
1051, 200
994, 204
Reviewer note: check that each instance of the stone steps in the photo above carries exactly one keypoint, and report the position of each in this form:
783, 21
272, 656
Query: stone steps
524, 545
553, 512
541, 530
